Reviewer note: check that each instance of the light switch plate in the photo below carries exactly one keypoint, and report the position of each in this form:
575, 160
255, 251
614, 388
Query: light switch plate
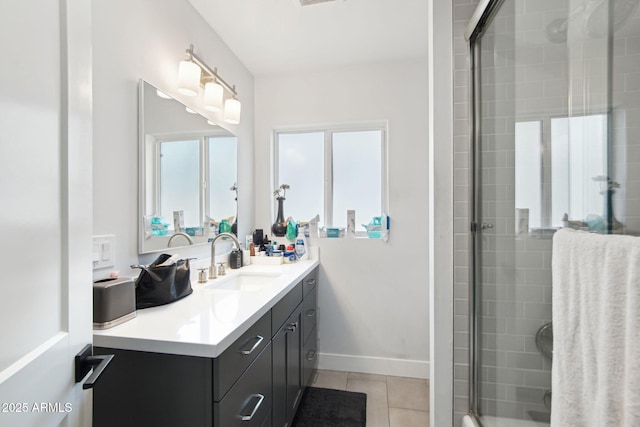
103, 251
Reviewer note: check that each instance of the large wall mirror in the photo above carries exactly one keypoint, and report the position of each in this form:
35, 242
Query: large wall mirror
188, 174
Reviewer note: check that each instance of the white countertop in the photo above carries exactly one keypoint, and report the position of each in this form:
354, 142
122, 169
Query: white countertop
206, 322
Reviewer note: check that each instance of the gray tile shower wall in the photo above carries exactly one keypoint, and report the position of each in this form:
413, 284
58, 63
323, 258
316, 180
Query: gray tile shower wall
625, 131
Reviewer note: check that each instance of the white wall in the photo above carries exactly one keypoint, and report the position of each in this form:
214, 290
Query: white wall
136, 39
441, 212
374, 296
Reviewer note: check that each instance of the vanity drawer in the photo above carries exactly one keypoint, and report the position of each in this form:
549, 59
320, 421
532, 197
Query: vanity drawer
309, 312
248, 403
283, 309
310, 357
228, 367
310, 281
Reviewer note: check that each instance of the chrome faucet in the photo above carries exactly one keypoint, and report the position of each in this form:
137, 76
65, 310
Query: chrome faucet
180, 233
213, 272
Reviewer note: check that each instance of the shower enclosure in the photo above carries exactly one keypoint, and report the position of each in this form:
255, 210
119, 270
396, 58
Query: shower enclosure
555, 113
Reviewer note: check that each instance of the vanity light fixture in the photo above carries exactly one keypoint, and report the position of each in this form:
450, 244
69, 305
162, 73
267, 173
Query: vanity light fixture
232, 111
194, 73
188, 78
310, 2
213, 95
163, 95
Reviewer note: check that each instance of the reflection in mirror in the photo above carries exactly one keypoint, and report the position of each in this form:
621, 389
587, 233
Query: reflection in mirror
573, 189
188, 174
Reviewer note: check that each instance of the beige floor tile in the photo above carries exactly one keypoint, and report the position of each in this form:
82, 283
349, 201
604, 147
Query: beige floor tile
408, 418
408, 393
366, 377
336, 380
377, 403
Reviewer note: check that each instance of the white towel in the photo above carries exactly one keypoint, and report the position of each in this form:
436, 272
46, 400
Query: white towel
596, 330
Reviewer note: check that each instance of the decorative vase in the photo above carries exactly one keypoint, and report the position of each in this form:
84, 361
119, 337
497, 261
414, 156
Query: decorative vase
279, 228
234, 226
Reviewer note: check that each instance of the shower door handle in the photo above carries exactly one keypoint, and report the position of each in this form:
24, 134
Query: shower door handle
485, 226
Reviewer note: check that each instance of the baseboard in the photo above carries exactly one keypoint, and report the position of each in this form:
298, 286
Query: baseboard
374, 365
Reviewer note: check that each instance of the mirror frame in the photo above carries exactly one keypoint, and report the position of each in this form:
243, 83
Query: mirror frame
142, 172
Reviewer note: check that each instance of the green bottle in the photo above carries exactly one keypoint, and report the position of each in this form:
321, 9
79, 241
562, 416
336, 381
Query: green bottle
225, 227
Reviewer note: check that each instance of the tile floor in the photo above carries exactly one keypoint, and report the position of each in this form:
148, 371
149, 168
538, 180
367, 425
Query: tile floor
391, 401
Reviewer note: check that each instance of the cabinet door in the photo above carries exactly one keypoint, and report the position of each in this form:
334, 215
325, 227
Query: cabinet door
295, 385
279, 372
287, 369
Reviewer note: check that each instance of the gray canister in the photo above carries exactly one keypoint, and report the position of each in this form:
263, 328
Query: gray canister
114, 302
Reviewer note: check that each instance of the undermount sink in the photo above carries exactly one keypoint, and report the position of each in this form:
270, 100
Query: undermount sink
249, 281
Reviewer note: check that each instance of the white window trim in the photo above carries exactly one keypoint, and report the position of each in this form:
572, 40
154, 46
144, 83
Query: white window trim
329, 129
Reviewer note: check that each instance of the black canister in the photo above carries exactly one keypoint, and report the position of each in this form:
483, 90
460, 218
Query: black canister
235, 259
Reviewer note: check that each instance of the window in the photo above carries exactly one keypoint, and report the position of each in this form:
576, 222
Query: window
579, 163
528, 164
180, 179
222, 174
573, 181
333, 170
195, 175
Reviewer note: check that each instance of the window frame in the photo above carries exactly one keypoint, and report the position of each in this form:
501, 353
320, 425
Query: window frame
329, 130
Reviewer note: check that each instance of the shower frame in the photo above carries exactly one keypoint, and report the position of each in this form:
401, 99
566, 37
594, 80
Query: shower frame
482, 14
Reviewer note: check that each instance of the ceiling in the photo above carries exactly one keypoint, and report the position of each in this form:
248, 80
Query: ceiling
278, 36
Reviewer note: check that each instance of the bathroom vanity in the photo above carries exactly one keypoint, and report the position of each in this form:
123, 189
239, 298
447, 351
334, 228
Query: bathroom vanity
238, 352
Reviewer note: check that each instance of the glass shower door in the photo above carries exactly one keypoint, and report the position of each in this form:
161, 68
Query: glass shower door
544, 115
512, 231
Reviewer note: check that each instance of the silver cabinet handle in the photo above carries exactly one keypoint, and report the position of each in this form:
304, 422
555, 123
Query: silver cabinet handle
486, 225
311, 355
292, 326
255, 408
259, 340
311, 282
311, 312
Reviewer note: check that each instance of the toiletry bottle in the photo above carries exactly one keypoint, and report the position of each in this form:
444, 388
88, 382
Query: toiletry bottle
225, 227
301, 245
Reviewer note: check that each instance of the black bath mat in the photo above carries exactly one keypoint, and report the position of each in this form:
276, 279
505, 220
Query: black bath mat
324, 407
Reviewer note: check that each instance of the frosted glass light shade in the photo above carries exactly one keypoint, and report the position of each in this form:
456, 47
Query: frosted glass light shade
213, 94
161, 94
189, 78
232, 111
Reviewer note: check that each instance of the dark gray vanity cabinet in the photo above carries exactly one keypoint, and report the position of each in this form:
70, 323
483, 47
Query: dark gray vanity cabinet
257, 381
157, 389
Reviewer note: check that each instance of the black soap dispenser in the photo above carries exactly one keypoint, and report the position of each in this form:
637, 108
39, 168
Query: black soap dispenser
235, 259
